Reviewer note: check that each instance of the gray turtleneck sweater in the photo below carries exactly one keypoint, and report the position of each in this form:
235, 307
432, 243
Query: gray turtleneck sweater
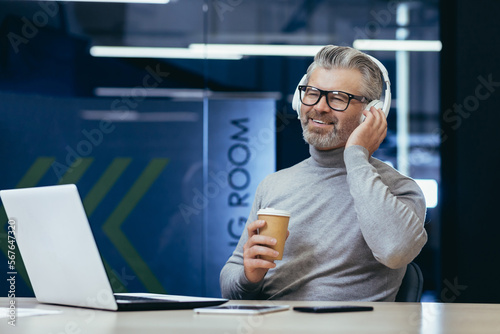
355, 224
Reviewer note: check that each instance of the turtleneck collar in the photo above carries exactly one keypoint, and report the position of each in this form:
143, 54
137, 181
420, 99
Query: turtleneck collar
329, 158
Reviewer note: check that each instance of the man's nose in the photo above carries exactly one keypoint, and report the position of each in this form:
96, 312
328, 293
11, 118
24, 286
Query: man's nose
322, 104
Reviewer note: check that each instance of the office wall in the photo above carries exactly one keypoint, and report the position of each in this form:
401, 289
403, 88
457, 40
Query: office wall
470, 118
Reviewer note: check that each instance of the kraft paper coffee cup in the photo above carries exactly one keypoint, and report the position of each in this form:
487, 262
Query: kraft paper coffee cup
276, 227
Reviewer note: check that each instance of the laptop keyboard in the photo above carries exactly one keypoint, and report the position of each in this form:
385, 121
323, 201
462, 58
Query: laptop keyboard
137, 299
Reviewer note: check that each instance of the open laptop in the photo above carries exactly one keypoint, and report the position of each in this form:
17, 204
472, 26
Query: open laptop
61, 257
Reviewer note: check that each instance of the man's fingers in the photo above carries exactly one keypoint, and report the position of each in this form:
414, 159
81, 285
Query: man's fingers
260, 240
263, 240
371, 132
254, 226
379, 121
256, 246
257, 250
259, 263
376, 113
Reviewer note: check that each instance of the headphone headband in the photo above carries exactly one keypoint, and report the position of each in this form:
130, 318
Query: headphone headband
385, 76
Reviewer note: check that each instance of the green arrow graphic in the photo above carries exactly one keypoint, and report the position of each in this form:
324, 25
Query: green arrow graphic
104, 184
96, 195
112, 226
76, 171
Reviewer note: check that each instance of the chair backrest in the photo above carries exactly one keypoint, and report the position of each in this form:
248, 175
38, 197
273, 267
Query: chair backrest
412, 284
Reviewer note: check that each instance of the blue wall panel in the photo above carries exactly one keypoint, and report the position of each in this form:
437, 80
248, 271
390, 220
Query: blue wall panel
241, 153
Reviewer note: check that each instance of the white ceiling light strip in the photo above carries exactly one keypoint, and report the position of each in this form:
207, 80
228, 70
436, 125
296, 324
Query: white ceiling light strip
237, 51
123, 1
397, 45
259, 49
154, 52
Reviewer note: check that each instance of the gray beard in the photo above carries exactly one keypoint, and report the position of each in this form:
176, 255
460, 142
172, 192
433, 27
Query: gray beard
323, 140
333, 138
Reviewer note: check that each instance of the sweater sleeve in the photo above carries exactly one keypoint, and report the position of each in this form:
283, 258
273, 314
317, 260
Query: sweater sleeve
233, 282
390, 209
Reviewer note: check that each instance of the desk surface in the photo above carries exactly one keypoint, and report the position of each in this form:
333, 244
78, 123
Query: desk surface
401, 318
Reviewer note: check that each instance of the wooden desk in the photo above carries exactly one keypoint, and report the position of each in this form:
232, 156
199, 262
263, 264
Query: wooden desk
400, 318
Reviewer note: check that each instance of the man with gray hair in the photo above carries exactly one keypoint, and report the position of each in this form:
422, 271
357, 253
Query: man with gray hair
355, 221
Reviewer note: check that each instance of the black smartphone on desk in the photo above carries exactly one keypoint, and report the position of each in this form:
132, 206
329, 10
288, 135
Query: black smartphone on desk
330, 309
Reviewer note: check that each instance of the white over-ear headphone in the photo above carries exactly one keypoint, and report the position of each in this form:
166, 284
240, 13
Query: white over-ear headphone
386, 105
296, 104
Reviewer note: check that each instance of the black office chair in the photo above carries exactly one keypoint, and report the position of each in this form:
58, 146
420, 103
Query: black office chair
412, 284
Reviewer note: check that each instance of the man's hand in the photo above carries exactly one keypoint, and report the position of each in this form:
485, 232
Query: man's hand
371, 132
256, 268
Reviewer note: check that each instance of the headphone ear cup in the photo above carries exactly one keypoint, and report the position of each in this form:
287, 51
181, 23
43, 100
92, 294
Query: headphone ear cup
375, 103
296, 98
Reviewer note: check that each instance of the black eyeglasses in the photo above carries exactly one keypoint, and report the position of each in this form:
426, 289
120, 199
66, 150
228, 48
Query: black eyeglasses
336, 99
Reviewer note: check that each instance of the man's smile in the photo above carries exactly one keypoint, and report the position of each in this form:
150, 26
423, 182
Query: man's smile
319, 122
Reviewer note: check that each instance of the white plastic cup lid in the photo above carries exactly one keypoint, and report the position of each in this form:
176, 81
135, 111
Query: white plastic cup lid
273, 212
